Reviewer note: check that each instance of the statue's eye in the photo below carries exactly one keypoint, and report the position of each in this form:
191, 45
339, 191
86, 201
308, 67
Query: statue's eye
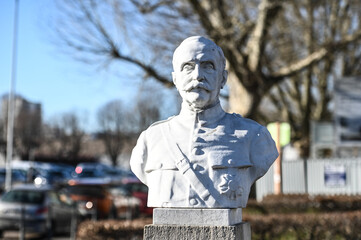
208, 65
188, 66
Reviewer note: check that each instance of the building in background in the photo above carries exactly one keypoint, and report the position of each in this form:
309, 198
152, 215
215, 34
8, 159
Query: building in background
22, 106
27, 125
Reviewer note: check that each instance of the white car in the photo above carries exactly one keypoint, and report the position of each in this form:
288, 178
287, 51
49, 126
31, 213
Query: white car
36, 209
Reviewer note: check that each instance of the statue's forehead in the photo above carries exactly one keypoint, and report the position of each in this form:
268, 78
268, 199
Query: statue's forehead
195, 50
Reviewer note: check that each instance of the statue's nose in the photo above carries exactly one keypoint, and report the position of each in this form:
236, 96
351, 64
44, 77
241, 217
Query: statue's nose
197, 73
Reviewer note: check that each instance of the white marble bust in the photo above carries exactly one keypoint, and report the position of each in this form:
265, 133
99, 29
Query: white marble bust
203, 157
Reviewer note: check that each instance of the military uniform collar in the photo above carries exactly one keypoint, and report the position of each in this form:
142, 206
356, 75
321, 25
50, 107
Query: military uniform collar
206, 116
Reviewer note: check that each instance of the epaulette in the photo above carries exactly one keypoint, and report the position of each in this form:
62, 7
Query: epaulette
248, 121
237, 115
162, 121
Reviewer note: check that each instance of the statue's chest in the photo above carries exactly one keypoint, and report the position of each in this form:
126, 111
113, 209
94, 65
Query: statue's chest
218, 147
206, 148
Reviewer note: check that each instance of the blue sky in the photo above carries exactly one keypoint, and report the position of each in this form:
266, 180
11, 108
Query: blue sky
45, 75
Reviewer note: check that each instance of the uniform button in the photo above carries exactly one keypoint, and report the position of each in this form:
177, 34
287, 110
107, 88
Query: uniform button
230, 161
193, 201
196, 167
198, 139
201, 122
197, 151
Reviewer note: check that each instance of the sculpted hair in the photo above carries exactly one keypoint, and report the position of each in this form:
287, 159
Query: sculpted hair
207, 42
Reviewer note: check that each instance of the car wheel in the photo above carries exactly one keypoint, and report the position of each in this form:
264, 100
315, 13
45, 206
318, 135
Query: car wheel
136, 212
50, 230
113, 213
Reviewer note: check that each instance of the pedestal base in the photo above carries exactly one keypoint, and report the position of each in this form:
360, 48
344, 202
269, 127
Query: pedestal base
241, 231
197, 217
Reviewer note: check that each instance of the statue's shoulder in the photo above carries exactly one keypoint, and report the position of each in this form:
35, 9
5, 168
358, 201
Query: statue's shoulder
153, 134
244, 123
157, 125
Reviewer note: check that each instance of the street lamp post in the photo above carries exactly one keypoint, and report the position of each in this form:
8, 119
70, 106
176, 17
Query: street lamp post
11, 103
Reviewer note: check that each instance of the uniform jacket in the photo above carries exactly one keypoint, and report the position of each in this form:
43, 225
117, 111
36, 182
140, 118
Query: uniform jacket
226, 152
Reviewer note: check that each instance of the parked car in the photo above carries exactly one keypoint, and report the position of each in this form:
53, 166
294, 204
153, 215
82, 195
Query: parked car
92, 197
89, 170
42, 210
128, 206
18, 176
140, 191
51, 176
100, 199
116, 175
99, 170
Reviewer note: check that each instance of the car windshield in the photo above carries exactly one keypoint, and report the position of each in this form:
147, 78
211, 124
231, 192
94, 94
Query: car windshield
24, 196
137, 187
89, 174
54, 174
17, 174
91, 191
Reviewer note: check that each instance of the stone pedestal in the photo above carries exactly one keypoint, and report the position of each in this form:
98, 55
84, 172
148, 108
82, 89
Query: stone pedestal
240, 231
197, 217
197, 224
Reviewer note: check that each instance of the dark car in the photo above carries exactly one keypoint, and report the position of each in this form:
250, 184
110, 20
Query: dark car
50, 176
140, 191
128, 206
99, 170
89, 170
42, 210
100, 199
18, 176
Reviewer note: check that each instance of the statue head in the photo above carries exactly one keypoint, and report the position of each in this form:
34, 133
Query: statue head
199, 72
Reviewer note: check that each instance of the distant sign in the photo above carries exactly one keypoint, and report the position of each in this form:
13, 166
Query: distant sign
335, 175
348, 111
284, 132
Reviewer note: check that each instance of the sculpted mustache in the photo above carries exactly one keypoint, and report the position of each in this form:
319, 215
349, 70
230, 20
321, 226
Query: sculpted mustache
196, 84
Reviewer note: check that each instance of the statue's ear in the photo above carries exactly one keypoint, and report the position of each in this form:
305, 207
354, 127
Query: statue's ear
224, 78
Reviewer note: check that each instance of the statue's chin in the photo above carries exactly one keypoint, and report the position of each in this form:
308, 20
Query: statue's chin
197, 101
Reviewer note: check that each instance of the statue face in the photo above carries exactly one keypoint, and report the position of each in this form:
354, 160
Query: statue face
198, 74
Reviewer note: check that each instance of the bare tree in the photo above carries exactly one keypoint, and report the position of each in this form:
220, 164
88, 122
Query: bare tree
279, 53
146, 109
329, 36
66, 135
27, 132
120, 125
112, 120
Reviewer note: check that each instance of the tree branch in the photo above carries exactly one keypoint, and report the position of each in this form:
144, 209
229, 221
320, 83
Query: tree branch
148, 7
300, 65
267, 12
316, 56
147, 68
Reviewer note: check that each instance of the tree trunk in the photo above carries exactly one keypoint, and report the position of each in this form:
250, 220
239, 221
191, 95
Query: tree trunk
240, 101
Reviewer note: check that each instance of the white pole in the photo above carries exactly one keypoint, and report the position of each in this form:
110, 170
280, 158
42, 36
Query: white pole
277, 175
11, 105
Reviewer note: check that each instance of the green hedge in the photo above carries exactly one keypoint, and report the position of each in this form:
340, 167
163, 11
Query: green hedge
112, 229
302, 203
306, 226
286, 217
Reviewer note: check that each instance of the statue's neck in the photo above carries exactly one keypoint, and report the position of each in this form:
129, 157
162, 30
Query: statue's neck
212, 113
